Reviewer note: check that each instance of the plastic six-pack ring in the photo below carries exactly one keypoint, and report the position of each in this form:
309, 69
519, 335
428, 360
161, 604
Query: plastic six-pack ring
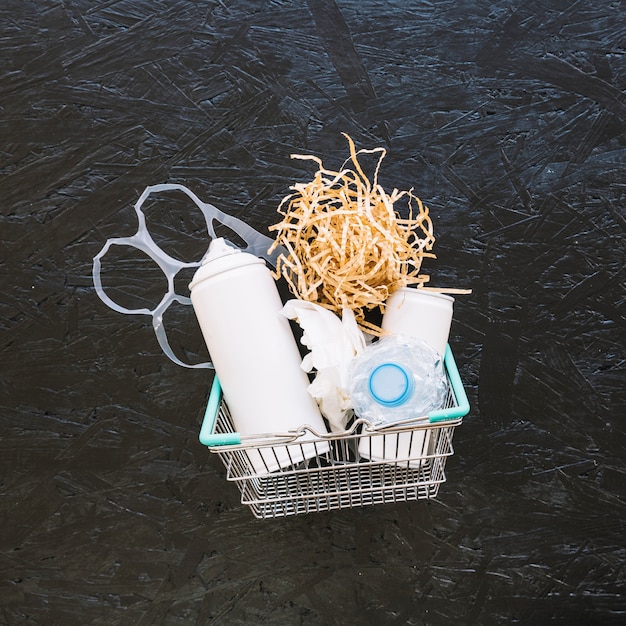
257, 244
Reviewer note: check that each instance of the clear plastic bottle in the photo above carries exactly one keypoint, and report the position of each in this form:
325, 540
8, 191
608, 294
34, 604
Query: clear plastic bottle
254, 352
395, 380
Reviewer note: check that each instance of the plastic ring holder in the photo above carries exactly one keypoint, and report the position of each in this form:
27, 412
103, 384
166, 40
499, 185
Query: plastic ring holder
257, 244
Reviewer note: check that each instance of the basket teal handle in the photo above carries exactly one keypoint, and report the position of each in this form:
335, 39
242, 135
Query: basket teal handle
209, 438
463, 407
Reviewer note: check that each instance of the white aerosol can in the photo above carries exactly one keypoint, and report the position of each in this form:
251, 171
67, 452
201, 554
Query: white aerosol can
254, 353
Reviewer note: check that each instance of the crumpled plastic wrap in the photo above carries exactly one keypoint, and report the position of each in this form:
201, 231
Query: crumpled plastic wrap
333, 344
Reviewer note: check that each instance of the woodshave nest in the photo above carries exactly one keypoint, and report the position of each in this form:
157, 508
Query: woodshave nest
346, 245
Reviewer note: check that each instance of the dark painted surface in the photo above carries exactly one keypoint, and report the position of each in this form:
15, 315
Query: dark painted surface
508, 119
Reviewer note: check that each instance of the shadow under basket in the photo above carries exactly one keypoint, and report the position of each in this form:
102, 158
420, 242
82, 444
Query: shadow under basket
358, 467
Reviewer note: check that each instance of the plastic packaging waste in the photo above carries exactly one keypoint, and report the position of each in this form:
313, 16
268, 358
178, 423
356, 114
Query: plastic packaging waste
256, 244
395, 380
420, 313
333, 344
255, 354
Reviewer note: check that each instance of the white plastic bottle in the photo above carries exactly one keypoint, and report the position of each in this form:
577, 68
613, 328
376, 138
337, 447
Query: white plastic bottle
254, 352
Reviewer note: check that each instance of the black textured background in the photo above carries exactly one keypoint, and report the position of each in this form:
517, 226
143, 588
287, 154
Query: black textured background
507, 117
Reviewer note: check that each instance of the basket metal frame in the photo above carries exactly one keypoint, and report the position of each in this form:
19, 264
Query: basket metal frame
337, 476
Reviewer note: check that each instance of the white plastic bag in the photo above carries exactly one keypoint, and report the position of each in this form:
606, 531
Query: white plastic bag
333, 344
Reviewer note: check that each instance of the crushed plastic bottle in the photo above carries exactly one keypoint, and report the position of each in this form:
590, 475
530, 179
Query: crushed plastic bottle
396, 379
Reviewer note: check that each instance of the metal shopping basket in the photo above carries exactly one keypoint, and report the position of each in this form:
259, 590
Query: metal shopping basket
323, 472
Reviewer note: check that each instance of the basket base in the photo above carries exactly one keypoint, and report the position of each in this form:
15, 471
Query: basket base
350, 486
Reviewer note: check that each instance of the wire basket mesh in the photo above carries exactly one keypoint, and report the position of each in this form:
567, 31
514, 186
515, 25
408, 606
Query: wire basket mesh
359, 467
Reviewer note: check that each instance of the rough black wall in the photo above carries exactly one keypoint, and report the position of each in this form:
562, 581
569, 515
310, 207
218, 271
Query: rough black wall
507, 118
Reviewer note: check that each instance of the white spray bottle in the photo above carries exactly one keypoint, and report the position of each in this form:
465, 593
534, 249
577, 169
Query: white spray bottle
254, 352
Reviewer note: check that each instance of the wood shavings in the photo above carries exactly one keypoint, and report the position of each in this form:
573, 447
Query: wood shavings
346, 245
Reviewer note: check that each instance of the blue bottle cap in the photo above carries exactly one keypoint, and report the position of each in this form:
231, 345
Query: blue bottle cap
391, 385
